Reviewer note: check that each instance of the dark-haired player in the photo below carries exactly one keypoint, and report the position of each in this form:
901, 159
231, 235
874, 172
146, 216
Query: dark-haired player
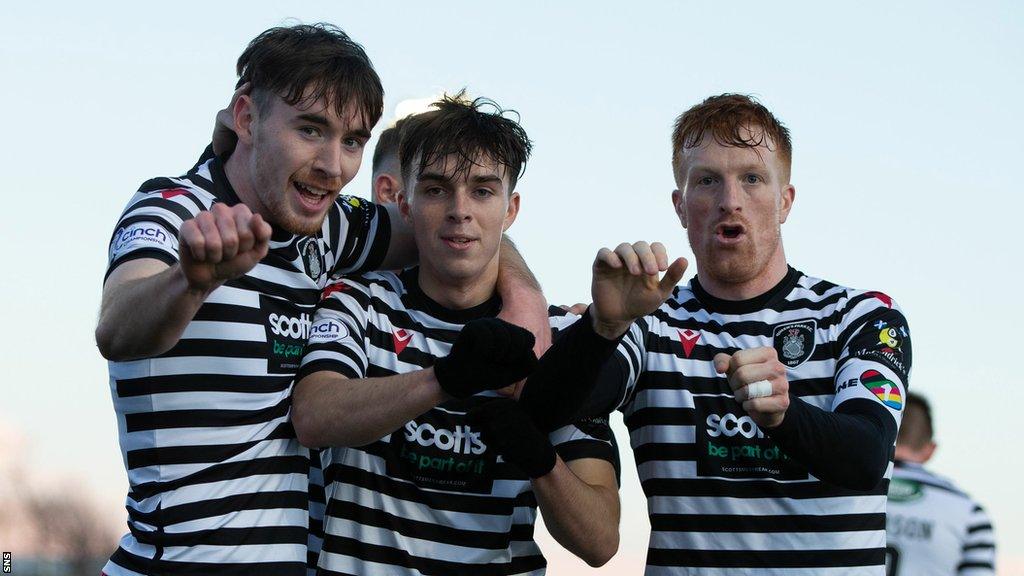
762, 403
432, 472
386, 178
207, 304
932, 527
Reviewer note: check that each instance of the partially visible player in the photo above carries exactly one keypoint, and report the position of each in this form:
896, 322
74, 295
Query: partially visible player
932, 526
431, 472
386, 179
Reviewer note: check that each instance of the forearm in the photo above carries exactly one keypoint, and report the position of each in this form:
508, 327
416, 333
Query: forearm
582, 517
331, 410
514, 276
567, 376
850, 447
145, 315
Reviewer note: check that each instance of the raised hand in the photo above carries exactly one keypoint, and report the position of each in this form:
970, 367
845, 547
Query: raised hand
758, 381
220, 244
626, 285
488, 354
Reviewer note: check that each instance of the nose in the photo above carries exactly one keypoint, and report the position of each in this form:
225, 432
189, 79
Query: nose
458, 207
731, 197
328, 162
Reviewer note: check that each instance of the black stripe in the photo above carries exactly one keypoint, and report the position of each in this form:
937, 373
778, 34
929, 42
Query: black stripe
146, 566
980, 546
396, 557
154, 253
452, 501
970, 565
767, 558
295, 464
167, 455
132, 387
979, 528
767, 524
207, 418
693, 487
468, 536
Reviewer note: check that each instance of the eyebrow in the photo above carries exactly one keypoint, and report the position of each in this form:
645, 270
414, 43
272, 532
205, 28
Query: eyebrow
437, 176
321, 120
313, 118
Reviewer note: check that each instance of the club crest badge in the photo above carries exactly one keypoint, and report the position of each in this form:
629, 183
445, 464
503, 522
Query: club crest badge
794, 341
312, 259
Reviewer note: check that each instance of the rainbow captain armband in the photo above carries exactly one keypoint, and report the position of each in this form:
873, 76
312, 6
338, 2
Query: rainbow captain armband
885, 390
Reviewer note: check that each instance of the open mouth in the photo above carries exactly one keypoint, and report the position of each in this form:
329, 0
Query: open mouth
730, 231
311, 195
458, 242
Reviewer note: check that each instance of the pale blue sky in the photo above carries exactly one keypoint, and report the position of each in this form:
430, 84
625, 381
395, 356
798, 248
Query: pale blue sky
906, 125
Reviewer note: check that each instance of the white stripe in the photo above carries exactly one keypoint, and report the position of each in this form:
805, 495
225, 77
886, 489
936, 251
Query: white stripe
768, 540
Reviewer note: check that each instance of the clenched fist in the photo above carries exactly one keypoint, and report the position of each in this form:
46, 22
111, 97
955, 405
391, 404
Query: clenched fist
220, 244
748, 372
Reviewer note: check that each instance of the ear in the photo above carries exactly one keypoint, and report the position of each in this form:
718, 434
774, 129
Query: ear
385, 189
244, 115
403, 207
788, 195
512, 212
928, 451
679, 205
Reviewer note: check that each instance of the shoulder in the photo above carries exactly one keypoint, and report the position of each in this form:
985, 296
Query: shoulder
904, 473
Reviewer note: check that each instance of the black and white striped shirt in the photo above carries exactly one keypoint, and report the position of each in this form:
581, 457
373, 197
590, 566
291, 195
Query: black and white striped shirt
429, 498
218, 481
723, 498
935, 528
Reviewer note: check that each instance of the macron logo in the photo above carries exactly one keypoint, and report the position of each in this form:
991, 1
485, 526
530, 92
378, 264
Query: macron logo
688, 338
401, 338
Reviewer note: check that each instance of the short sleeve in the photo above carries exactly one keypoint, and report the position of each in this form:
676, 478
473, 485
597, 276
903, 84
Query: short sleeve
337, 336
149, 226
362, 235
586, 438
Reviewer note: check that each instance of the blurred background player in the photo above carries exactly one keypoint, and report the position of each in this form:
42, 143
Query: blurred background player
932, 527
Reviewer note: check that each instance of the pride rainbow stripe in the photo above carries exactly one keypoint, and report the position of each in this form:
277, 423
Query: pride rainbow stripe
885, 390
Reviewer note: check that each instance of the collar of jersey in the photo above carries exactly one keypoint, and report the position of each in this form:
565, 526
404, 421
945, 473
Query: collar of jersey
416, 299
224, 192
713, 304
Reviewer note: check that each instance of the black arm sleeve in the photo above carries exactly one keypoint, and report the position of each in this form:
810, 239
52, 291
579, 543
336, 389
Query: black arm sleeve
850, 447
566, 376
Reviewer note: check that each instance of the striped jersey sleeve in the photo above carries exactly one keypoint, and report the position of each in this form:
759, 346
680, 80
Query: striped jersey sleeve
978, 554
361, 231
875, 359
148, 227
336, 338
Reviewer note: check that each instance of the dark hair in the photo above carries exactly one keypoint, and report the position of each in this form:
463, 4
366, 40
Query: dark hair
465, 129
916, 429
387, 145
307, 62
729, 118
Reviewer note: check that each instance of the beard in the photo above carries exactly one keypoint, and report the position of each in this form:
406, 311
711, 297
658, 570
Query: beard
739, 264
274, 200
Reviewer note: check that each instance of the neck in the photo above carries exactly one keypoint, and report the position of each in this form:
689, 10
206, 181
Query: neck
240, 178
458, 293
747, 289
